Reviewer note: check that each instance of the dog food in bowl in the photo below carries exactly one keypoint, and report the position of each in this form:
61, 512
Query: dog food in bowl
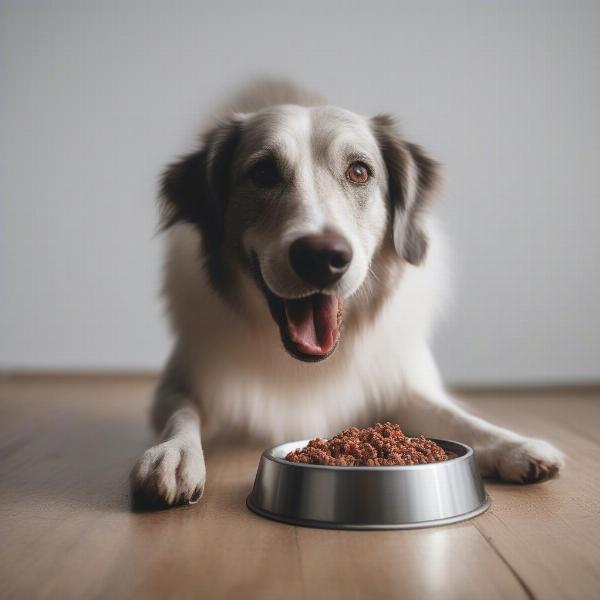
383, 444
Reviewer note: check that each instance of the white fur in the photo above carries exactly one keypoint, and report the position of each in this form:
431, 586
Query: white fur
240, 381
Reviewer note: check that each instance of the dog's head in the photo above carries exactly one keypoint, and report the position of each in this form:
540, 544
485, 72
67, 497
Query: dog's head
302, 201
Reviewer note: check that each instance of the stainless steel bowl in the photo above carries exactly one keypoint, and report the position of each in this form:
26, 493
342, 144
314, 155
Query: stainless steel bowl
402, 497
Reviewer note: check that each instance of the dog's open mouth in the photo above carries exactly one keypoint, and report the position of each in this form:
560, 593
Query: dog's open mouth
309, 326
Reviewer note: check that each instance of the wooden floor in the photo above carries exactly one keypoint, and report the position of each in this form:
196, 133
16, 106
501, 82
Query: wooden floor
66, 530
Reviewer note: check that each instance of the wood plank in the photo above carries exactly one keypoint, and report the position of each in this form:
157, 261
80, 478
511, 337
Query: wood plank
550, 533
63, 499
447, 562
66, 446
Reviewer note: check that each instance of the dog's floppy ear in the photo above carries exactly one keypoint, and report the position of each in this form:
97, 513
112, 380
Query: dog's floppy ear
194, 189
413, 178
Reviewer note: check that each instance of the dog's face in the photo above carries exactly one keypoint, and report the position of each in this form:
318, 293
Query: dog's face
303, 199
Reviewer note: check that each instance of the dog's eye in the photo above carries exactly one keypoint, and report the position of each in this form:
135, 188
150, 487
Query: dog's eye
265, 173
358, 172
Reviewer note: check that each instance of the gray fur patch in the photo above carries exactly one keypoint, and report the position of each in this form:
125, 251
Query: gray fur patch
413, 178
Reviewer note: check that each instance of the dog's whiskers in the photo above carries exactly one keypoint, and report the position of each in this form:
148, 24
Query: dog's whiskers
375, 276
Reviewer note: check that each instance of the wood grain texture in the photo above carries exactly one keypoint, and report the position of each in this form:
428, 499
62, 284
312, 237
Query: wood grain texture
66, 530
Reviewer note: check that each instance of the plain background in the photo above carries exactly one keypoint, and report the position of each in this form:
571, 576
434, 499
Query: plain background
98, 96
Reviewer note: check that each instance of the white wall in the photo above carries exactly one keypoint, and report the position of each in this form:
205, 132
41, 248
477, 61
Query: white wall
97, 96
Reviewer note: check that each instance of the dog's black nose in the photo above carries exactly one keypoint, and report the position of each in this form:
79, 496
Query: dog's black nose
320, 259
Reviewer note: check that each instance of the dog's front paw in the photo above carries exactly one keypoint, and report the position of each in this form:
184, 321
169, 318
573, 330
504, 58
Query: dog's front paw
525, 461
170, 473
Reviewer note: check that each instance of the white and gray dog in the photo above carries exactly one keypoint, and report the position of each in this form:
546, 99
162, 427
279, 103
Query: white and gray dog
303, 274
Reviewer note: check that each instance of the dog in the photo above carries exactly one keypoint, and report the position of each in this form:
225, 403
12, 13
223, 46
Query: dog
303, 276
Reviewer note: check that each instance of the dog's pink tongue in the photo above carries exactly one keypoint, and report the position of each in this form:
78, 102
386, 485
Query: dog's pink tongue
312, 323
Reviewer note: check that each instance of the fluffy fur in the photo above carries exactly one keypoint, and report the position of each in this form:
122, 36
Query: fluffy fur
229, 373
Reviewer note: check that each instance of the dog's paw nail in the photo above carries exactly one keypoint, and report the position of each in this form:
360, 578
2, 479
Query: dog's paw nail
168, 474
196, 495
540, 471
529, 461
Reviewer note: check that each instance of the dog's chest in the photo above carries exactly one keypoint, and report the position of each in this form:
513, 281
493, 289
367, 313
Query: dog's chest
271, 401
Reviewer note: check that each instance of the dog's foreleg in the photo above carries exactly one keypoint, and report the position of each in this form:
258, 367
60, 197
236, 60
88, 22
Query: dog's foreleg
173, 471
501, 453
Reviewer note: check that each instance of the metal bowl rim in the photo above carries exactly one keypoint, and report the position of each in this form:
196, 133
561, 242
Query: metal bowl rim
268, 455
